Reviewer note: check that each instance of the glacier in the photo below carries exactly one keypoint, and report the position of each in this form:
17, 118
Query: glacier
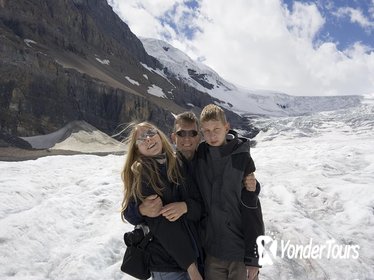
60, 215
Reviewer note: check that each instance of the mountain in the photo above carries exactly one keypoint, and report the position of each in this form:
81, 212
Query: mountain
76, 60
242, 101
69, 60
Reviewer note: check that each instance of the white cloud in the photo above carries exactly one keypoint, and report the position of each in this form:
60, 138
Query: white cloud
371, 9
356, 16
257, 44
304, 20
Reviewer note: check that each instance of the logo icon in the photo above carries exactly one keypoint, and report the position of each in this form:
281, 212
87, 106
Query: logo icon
267, 249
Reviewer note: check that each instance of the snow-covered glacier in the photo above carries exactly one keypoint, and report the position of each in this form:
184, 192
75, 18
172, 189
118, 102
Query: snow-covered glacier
236, 98
59, 215
317, 175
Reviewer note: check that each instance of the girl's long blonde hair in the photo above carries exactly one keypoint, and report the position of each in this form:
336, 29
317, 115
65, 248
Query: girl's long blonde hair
139, 168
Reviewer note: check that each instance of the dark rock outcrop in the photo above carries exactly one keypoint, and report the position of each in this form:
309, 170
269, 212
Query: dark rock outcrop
7, 140
69, 60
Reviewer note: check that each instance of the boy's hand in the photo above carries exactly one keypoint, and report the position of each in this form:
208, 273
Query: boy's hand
249, 182
151, 206
173, 211
252, 273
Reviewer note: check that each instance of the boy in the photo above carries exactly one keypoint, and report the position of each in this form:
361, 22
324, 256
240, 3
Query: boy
233, 218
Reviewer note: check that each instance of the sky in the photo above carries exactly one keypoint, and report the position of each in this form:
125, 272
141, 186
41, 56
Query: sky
318, 47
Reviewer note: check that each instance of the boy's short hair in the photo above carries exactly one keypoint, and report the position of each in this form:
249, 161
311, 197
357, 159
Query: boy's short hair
186, 117
213, 112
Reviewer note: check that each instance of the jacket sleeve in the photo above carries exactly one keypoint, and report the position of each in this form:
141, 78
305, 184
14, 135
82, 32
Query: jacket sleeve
132, 214
253, 227
250, 165
192, 198
250, 199
253, 224
174, 238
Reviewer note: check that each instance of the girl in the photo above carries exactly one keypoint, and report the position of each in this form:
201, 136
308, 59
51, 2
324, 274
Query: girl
152, 168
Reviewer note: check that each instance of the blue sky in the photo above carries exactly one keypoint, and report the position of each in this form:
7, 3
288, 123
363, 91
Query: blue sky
339, 26
319, 47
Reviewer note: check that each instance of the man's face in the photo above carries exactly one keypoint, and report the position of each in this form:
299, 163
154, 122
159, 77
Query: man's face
186, 137
214, 132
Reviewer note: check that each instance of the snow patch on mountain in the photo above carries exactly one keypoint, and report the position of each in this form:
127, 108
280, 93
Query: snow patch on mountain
103, 61
132, 81
156, 91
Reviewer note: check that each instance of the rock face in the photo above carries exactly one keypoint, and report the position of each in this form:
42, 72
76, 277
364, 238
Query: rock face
72, 60
7, 140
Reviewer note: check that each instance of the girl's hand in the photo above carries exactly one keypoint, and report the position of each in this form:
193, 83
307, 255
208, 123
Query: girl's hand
173, 211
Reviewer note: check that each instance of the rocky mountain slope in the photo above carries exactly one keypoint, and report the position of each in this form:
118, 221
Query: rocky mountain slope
70, 60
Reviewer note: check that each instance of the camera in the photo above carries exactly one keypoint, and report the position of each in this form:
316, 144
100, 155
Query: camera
134, 237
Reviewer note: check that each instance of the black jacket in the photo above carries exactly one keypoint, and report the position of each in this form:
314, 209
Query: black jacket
219, 172
175, 244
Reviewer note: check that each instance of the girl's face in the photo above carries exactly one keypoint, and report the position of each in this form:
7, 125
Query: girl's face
148, 141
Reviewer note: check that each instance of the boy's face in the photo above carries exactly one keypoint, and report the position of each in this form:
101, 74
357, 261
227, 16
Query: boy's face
215, 132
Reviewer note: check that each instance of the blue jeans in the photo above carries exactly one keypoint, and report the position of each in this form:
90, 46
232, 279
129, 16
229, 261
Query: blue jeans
169, 275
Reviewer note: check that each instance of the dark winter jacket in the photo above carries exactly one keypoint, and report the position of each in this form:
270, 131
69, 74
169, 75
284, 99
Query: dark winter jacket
175, 244
219, 172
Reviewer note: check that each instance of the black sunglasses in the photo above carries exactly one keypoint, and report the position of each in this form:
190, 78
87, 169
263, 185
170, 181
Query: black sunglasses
145, 135
187, 133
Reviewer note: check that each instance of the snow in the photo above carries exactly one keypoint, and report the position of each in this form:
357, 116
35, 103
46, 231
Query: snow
132, 81
150, 69
145, 76
59, 215
60, 218
156, 71
155, 90
28, 42
317, 174
76, 136
90, 142
238, 99
103, 61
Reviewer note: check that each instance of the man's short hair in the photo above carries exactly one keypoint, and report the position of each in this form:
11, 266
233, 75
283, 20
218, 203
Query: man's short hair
213, 112
186, 117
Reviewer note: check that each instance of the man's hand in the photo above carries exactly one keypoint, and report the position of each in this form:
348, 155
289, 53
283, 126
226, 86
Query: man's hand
151, 206
249, 182
173, 211
252, 272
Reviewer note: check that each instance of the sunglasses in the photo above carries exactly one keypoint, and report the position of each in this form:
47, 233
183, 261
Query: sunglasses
187, 133
145, 135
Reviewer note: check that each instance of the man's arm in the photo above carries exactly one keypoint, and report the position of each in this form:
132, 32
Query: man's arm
150, 207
